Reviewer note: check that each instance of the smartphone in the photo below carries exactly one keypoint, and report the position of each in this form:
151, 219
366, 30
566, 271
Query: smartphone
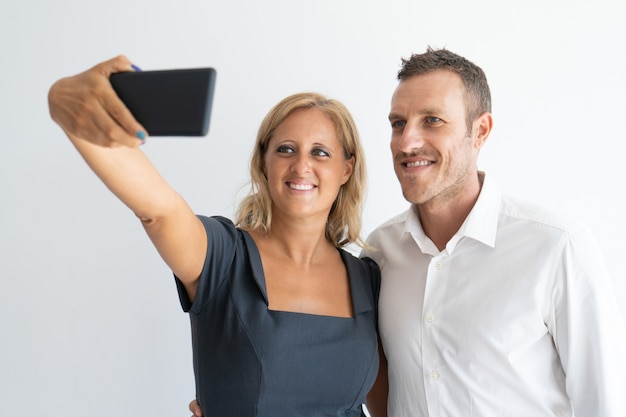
175, 102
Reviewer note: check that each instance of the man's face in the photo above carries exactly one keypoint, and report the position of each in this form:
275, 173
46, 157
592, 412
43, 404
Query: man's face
434, 156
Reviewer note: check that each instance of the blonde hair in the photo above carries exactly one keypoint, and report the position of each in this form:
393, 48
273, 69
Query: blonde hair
344, 220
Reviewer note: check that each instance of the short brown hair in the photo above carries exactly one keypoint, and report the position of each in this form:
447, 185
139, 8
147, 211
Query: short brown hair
477, 93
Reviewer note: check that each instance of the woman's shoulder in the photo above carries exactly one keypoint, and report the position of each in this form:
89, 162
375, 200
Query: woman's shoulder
364, 279
224, 238
365, 265
216, 221
219, 227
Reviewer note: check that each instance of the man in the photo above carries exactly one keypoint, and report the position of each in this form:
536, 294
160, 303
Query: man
489, 306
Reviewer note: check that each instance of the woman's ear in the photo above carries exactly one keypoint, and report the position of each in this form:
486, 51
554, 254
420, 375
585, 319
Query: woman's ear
348, 168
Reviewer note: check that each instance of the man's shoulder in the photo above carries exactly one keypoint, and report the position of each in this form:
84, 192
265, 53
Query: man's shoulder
396, 222
386, 236
530, 212
526, 212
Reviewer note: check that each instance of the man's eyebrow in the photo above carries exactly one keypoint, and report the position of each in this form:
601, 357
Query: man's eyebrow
394, 116
427, 111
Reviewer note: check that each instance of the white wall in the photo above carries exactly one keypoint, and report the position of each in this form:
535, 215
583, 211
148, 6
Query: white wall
89, 317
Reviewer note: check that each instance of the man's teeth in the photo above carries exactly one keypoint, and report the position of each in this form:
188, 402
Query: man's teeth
302, 187
417, 164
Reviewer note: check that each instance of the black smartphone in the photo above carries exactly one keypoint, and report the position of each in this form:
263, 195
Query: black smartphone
175, 102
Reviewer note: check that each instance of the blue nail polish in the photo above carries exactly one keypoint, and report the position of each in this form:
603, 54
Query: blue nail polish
141, 135
135, 67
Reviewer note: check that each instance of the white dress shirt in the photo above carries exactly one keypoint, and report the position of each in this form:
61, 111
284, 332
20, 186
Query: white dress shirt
515, 317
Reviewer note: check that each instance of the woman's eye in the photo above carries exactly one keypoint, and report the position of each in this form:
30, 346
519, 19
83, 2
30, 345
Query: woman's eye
319, 152
285, 149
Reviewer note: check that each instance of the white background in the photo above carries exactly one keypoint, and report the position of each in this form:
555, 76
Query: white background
90, 323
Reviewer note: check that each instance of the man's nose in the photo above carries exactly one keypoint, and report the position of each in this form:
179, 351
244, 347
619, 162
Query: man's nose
410, 139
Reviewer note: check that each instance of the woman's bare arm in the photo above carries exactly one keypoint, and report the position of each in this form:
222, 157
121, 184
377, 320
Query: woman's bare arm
106, 135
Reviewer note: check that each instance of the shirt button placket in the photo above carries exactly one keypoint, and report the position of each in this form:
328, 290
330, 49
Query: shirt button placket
432, 360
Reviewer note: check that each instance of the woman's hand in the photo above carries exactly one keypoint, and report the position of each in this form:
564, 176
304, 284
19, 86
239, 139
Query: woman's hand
194, 407
86, 107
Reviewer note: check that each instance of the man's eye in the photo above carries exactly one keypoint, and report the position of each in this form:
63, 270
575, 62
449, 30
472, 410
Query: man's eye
433, 120
398, 124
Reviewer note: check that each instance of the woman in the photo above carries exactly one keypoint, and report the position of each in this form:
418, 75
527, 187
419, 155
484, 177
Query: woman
283, 319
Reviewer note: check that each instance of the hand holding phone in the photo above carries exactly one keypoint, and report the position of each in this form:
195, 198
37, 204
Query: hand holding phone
173, 102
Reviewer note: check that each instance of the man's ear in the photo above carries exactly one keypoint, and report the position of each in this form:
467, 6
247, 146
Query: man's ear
482, 127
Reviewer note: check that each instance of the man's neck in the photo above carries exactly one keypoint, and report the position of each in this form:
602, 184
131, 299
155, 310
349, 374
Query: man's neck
442, 219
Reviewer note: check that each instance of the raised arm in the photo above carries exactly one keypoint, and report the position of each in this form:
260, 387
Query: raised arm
108, 137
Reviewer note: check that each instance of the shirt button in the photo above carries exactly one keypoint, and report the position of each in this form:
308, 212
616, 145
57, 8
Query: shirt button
430, 318
437, 265
434, 375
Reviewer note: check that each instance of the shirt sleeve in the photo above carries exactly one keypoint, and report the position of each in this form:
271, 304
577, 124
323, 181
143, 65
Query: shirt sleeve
588, 330
221, 248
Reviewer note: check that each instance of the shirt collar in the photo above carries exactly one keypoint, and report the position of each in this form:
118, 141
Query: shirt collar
481, 224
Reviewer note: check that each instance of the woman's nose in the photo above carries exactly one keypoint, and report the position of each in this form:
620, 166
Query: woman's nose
301, 164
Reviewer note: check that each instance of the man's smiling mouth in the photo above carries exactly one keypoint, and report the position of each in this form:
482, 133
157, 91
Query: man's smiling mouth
421, 163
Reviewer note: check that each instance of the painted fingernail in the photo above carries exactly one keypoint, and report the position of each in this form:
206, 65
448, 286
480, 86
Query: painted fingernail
135, 67
141, 135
